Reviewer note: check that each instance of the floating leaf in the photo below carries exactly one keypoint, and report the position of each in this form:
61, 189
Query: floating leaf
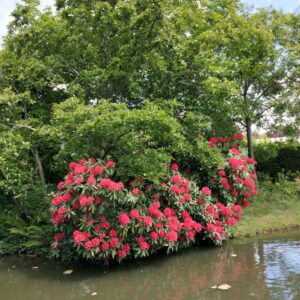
94, 294
35, 267
233, 255
213, 287
68, 272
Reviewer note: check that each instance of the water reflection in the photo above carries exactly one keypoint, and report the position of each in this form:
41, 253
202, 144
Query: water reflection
262, 269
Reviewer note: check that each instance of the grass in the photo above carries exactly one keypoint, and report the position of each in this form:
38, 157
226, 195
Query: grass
277, 208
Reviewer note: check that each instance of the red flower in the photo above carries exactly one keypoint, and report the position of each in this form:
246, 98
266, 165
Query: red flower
174, 167
104, 246
231, 221
60, 185
124, 219
126, 247
91, 180
110, 164
247, 194
234, 193
106, 225
144, 246
236, 151
153, 235
246, 203
171, 236
88, 245
121, 254
238, 136
147, 221
206, 191
114, 242
167, 212
79, 180
95, 242
187, 197
99, 170
135, 214
135, 191
235, 163
221, 173
210, 227
59, 236
79, 237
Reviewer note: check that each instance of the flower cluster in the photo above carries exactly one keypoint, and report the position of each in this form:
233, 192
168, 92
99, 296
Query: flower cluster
101, 218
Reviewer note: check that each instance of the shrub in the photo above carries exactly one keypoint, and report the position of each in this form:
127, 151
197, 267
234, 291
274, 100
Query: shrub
99, 218
275, 159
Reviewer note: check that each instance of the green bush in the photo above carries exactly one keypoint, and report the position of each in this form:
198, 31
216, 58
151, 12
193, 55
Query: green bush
275, 160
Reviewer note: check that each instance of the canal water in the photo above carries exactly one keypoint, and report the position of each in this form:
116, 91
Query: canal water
263, 268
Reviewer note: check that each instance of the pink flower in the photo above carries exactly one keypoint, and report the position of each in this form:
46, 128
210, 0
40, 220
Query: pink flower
135, 191
113, 232
79, 180
59, 236
124, 220
235, 163
174, 167
99, 170
237, 208
234, 193
60, 185
167, 212
236, 151
72, 165
105, 246
88, 245
171, 236
206, 191
126, 247
187, 197
153, 235
79, 237
121, 254
147, 221
210, 227
231, 221
144, 246
246, 203
95, 242
221, 173
247, 194
238, 136
106, 225
176, 179
110, 164
91, 180
135, 214
114, 242
197, 226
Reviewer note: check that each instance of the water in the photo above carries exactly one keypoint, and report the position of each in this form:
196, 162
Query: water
267, 268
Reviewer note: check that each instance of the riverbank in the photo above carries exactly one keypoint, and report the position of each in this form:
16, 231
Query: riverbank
277, 208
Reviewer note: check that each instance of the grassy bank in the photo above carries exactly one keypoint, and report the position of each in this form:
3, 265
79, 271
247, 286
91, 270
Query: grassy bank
277, 208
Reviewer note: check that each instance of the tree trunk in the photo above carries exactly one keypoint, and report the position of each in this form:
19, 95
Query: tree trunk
249, 137
250, 144
40, 167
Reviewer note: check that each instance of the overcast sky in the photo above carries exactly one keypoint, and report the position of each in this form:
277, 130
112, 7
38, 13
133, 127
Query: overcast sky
7, 6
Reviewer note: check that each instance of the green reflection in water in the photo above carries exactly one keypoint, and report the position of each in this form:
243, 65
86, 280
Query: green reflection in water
266, 268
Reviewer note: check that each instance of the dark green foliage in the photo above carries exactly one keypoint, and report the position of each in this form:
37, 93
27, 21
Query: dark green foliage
276, 159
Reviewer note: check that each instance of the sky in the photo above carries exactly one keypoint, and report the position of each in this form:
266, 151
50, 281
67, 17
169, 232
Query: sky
7, 6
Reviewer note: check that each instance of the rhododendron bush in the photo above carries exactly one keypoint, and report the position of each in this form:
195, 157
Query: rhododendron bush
100, 218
